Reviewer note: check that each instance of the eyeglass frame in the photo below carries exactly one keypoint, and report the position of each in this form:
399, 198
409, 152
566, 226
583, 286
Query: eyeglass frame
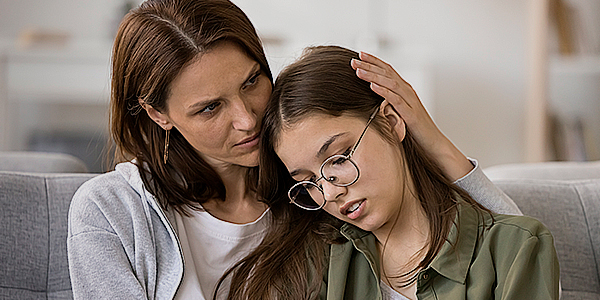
347, 157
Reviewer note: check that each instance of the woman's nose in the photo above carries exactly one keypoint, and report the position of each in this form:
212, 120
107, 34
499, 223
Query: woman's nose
244, 118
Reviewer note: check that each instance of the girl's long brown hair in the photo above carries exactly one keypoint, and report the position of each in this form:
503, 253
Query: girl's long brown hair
154, 43
291, 261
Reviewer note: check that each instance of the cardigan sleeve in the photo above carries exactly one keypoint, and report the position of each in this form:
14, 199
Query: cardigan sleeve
99, 265
483, 190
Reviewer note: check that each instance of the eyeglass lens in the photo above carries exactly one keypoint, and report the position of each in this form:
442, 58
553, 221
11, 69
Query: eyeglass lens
337, 170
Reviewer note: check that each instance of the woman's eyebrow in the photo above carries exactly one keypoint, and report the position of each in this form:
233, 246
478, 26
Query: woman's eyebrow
328, 143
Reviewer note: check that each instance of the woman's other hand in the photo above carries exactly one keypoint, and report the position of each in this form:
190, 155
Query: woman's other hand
386, 82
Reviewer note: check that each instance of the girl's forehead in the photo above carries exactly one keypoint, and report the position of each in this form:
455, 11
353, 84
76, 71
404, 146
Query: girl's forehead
304, 139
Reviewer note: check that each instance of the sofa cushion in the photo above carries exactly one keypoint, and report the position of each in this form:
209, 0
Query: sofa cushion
33, 232
571, 210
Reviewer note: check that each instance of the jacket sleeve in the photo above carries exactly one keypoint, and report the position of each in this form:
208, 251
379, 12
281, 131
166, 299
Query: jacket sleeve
534, 273
99, 266
483, 190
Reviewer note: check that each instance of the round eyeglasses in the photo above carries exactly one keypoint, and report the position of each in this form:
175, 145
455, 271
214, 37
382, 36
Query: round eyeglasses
339, 170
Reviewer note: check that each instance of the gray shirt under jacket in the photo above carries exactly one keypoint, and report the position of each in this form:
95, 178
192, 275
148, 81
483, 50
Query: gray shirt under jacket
121, 244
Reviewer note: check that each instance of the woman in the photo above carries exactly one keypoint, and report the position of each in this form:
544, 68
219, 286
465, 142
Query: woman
345, 150
190, 83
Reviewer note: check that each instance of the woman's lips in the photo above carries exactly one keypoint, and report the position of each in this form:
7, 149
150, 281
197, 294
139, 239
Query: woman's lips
249, 142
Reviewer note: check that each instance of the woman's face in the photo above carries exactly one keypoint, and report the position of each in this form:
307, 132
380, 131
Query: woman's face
378, 192
217, 103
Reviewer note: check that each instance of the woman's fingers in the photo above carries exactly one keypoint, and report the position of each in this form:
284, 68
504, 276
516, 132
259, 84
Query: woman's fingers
399, 104
386, 82
379, 79
377, 71
366, 57
356, 63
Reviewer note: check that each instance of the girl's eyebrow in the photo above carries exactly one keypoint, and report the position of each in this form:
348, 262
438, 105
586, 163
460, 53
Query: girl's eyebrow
328, 143
321, 151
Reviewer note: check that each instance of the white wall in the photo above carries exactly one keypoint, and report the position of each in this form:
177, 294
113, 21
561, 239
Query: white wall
466, 58
473, 50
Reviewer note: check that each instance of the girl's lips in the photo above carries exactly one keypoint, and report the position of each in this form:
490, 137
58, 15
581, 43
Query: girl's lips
345, 209
357, 212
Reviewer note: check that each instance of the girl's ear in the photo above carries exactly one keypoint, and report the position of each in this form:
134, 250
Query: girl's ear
159, 118
396, 122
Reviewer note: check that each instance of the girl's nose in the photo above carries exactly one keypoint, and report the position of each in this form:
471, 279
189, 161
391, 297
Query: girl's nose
333, 192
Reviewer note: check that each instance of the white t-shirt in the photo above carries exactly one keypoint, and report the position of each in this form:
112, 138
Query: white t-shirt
210, 247
388, 293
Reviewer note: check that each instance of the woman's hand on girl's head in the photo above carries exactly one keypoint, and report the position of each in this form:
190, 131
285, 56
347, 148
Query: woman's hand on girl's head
387, 83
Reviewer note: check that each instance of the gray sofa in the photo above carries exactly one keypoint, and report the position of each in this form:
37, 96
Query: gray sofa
33, 234
33, 259
41, 162
565, 196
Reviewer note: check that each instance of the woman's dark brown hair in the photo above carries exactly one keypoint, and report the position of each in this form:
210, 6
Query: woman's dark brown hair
154, 43
322, 82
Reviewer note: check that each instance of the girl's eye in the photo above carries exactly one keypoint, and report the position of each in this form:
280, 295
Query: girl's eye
347, 152
252, 80
210, 108
312, 178
309, 187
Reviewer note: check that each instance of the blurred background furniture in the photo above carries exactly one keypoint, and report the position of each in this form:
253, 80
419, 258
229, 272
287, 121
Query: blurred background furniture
546, 170
565, 196
33, 234
41, 162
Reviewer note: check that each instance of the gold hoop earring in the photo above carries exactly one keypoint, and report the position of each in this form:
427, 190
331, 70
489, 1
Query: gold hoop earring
166, 153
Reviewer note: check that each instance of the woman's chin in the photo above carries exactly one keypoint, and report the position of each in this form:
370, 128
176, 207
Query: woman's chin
250, 160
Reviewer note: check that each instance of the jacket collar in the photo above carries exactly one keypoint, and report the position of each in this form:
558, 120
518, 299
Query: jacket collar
365, 242
454, 259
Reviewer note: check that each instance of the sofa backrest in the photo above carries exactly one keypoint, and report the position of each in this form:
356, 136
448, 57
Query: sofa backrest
33, 234
558, 170
571, 210
40, 162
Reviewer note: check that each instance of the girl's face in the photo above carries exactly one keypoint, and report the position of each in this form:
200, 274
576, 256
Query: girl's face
217, 103
378, 192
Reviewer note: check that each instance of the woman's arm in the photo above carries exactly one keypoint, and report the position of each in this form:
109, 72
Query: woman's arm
386, 82
100, 265
483, 190
100, 269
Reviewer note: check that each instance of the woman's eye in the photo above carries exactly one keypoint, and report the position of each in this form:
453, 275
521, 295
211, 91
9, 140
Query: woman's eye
210, 108
253, 80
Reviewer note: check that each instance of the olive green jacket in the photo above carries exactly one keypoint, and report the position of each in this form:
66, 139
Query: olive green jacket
504, 257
